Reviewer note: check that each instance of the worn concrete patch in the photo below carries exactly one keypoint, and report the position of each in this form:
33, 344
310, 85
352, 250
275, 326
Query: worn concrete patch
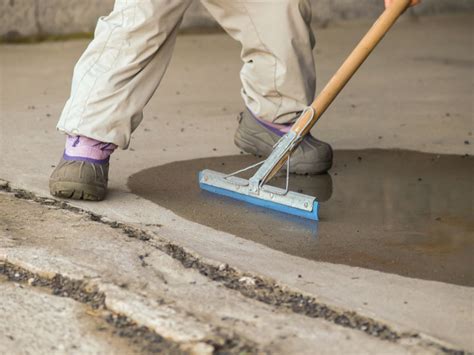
37, 322
147, 274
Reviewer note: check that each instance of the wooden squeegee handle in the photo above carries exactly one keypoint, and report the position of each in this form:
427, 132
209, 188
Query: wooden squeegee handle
351, 65
358, 56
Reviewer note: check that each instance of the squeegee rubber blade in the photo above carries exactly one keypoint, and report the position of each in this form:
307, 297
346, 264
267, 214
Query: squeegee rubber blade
263, 203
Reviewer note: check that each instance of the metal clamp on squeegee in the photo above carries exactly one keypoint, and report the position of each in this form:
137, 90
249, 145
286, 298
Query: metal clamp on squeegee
281, 148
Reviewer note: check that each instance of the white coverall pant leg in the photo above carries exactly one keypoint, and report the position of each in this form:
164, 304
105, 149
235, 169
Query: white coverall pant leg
278, 76
124, 64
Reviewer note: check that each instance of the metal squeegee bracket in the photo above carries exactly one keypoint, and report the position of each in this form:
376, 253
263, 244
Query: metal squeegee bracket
235, 186
256, 186
285, 145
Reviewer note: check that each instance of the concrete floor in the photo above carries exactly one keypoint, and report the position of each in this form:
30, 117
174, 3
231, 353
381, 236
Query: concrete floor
415, 91
39, 323
153, 289
394, 211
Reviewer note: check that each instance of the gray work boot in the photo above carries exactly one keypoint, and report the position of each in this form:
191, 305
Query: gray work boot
79, 180
311, 157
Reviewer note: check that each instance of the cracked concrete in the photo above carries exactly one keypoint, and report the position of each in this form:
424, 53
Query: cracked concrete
35, 322
427, 106
180, 304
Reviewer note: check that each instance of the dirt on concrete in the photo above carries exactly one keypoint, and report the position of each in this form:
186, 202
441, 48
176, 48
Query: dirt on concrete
139, 339
131, 337
36, 322
249, 285
395, 211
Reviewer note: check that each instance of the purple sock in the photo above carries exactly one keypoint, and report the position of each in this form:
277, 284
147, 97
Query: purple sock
278, 129
88, 149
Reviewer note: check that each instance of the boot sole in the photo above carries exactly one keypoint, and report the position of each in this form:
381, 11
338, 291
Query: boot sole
256, 148
77, 191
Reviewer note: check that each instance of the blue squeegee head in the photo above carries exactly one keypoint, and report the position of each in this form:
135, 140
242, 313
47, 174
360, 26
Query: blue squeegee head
313, 214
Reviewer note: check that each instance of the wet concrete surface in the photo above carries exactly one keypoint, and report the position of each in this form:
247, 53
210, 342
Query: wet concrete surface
395, 211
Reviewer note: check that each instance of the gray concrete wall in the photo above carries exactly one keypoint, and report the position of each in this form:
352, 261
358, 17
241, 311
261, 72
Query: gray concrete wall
39, 18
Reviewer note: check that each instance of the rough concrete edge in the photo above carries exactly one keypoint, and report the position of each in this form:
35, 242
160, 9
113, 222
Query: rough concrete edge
262, 289
92, 293
85, 293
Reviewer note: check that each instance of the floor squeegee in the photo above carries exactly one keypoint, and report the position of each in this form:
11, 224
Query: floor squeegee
256, 189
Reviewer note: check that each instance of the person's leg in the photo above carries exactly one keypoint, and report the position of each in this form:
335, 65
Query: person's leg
121, 69
278, 75
112, 82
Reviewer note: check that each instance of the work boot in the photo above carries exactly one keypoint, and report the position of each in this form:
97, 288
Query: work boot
257, 137
82, 172
79, 180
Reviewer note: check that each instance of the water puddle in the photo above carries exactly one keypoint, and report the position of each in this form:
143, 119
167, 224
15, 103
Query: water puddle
401, 212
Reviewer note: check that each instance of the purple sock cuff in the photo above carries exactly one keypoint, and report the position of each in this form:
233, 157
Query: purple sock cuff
88, 149
278, 129
89, 160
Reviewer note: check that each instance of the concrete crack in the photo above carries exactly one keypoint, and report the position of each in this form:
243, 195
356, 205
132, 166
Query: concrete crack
80, 291
150, 342
262, 290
